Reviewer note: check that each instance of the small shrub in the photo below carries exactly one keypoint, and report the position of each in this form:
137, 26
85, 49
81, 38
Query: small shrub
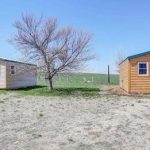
41, 115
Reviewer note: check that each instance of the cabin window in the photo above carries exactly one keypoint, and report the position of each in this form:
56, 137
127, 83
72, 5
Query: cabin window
143, 68
12, 70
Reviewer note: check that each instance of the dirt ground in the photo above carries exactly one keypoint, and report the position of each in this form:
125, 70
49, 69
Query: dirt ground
107, 122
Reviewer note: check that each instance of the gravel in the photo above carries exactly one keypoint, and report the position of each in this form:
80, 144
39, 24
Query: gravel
107, 122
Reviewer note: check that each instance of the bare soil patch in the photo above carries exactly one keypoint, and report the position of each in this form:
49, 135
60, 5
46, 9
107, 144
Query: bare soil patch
107, 122
118, 91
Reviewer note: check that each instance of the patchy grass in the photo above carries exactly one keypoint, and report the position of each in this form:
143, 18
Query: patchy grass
41, 115
43, 91
3, 91
2, 102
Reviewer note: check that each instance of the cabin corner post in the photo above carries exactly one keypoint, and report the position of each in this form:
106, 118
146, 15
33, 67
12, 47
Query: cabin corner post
129, 76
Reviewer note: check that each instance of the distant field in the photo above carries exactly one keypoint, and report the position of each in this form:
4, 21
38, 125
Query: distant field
84, 84
79, 80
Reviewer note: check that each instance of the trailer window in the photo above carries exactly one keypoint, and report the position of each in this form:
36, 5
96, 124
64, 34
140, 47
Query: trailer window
12, 70
143, 68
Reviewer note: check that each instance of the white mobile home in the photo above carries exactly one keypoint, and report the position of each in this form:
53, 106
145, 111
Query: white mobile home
14, 74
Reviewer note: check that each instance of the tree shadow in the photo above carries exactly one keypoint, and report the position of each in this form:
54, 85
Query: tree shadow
30, 88
43, 91
76, 89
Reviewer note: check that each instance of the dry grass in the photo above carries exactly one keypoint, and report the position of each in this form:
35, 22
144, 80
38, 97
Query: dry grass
118, 91
108, 122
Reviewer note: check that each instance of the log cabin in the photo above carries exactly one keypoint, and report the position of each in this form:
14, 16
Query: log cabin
15, 74
135, 73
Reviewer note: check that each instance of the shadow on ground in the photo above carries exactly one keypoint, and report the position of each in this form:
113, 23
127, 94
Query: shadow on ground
70, 91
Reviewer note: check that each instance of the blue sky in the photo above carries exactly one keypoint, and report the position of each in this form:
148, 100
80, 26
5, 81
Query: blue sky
116, 25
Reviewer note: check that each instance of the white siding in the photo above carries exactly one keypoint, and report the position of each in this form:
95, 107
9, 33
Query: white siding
2, 75
25, 76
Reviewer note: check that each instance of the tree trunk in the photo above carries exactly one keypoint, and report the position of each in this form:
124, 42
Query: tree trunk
50, 84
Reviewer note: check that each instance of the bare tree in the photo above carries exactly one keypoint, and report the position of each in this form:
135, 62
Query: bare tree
53, 50
119, 59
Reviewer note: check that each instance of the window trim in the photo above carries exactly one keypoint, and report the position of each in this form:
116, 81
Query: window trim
147, 67
13, 70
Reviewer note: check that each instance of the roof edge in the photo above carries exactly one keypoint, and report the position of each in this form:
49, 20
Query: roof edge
19, 62
135, 56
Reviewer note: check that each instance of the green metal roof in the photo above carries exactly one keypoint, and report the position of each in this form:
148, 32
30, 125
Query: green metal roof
135, 56
2, 59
